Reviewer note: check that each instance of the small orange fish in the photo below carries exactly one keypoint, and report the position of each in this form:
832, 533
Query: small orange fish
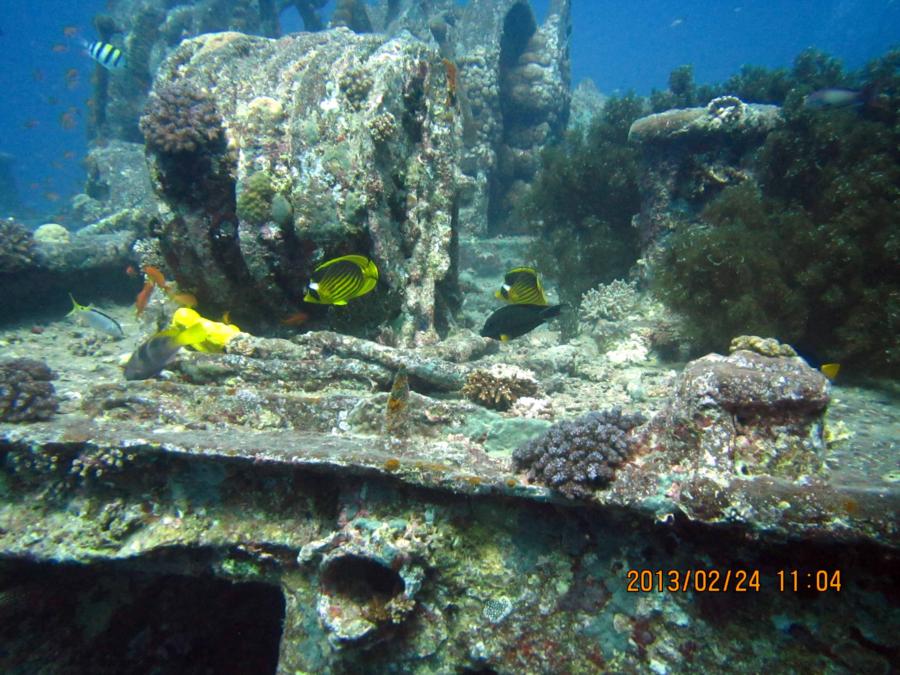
140, 303
31, 124
56, 164
68, 120
51, 196
60, 48
70, 154
72, 78
184, 299
130, 271
70, 31
156, 276
295, 319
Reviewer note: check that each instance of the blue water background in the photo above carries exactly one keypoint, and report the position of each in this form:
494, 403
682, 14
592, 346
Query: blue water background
620, 45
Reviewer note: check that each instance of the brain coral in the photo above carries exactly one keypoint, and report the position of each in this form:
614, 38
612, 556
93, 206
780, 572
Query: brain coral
580, 455
180, 119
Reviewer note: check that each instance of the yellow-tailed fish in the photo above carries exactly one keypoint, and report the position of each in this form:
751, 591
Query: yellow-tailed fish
522, 286
830, 370
156, 353
341, 279
96, 319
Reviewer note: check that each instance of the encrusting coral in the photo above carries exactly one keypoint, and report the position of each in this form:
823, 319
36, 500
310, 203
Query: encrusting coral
26, 393
499, 386
578, 456
180, 119
254, 202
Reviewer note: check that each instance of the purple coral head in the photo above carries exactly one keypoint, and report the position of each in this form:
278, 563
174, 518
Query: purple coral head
180, 119
579, 455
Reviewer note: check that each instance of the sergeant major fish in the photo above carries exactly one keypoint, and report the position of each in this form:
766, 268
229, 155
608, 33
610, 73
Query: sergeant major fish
107, 55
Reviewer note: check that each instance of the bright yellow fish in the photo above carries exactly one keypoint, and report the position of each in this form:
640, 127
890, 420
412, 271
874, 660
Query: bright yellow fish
522, 286
341, 279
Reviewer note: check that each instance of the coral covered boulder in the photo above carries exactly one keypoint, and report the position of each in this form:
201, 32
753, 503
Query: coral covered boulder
748, 414
272, 157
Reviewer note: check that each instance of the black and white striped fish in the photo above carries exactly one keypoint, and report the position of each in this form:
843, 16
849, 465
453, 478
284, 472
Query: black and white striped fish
107, 55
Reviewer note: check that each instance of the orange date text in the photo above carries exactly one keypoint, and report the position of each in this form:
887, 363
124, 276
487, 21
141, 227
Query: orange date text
696, 580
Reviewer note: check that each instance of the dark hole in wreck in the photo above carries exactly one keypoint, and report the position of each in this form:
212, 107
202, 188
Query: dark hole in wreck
518, 28
361, 580
108, 619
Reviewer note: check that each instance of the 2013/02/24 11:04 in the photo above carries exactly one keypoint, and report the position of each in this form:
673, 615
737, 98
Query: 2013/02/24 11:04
739, 580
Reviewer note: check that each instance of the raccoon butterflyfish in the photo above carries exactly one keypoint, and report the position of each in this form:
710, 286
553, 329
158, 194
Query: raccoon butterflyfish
156, 353
107, 55
96, 319
512, 321
216, 334
522, 286
341, 279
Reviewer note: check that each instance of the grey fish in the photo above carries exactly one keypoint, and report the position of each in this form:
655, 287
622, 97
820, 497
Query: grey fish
157, 352
825, 99
96, 319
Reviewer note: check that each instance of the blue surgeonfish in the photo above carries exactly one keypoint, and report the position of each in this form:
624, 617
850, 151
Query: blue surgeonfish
107, 55
96, 319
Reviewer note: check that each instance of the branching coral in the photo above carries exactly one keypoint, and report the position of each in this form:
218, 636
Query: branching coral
499, 386
16, 247
580, 455
180, 119
26, 393
613, 301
